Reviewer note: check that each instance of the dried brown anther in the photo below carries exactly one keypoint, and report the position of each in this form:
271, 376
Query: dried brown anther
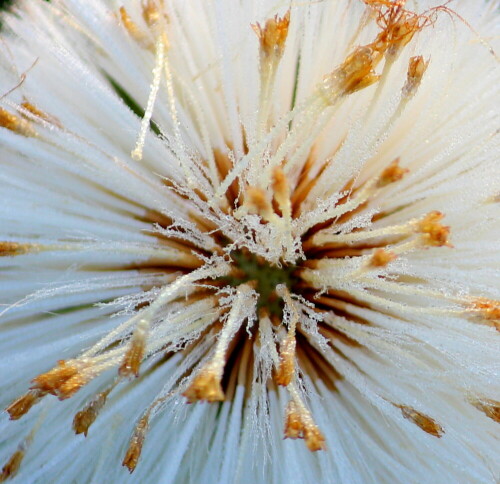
416, 69
11, 468
491, 408
286, 368
354, 74
62, 381
134, 31
72, 385
86, 417
9, 249
51, 381
38, 113
257, 202
15, 123
272, 36
426, 423
381, 258
206, 385
299, 425
398, 25
23, 404
281, 189
135, 445
487, 309
434, 233
135, 352
400, 32
391, 174
150, 13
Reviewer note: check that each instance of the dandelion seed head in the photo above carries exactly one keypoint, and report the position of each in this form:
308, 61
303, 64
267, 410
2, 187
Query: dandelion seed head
233, 226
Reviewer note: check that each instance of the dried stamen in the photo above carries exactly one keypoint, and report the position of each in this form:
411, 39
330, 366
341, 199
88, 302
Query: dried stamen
354, 74
135, 352
38, 113
65, 379
135, 445
15, 123
257, 202
286, 368
300, 425
426, 423
272, 36
281, 191
434, 233
11, 468
487, 309
391, 174
86, 417
206, 385
491, 408
416, 70
9, 249
381, 258
51, 381
23, 404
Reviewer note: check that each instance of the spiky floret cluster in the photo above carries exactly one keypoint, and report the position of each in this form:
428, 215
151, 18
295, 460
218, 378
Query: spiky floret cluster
274, 241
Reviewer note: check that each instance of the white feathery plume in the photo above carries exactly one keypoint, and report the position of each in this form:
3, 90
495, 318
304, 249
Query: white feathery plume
225, 223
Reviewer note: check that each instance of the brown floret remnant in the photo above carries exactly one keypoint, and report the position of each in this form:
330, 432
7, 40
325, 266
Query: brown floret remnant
426, 423
434, 233
272, 36
206, 385
135, 445
299, 425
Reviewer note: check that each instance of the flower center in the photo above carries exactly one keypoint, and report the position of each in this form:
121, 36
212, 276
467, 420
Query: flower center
253, 269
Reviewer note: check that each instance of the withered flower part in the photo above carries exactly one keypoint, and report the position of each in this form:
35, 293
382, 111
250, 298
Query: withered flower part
249, 242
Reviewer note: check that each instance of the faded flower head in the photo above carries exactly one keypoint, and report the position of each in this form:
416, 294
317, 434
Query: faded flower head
249, 242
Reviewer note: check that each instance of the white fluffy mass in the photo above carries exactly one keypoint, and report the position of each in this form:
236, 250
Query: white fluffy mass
89, 263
